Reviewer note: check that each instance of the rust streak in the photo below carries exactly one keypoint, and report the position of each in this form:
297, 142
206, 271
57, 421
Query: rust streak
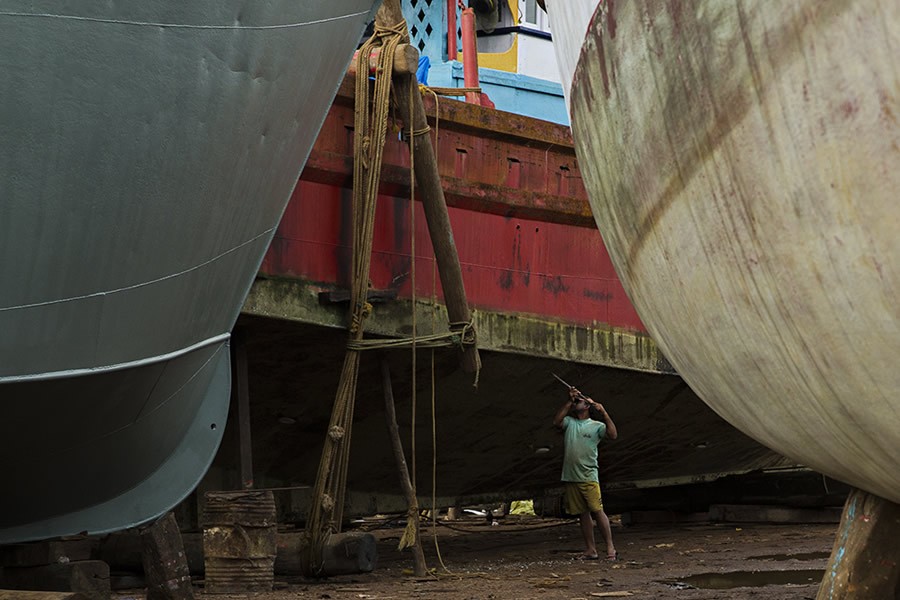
710, 129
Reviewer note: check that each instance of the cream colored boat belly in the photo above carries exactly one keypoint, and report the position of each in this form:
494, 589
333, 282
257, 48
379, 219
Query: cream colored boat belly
742, 164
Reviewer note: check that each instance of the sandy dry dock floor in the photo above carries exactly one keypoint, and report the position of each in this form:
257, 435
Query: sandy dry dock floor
532, 557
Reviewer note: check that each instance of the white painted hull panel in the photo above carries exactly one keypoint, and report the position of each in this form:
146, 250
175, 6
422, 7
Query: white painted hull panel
742, 163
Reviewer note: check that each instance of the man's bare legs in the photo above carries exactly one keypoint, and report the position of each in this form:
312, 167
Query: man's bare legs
606, 532
587, 530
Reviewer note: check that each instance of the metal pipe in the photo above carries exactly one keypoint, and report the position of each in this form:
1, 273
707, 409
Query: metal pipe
470, 55
451, 30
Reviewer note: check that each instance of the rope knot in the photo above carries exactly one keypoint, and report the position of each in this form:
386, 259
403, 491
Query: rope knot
366, 142
409, 537
465, 333
327, 502
399, 29
336, 433
405, 135
361, 313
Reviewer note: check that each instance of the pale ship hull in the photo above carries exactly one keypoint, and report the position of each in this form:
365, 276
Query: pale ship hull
741, 160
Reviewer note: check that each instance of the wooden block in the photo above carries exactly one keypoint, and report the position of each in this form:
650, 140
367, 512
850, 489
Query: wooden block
164, 560
406, 60
349, 553
739, 513
34, 595
637, 517
239, 541
865, 559
90, 578
373, 296
34, 554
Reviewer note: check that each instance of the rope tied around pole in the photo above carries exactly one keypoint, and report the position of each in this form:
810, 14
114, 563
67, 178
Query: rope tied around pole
408, 538
461, 334
370, 127
404, 133
465, 333
360, 314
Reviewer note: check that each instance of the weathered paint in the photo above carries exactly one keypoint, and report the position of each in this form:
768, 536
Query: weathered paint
475, 151
747, 194
298, 300
527, 243
540, 268
546, 300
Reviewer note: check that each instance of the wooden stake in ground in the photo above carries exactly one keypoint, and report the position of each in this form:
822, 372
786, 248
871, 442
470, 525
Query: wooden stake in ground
428, 180
865, 560
390, 416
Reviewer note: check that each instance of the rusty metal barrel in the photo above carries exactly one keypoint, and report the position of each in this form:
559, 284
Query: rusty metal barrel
239, 541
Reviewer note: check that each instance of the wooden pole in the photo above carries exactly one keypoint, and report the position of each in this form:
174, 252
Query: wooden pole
390, 416
406, 60
240, 398
428, 179
865, 560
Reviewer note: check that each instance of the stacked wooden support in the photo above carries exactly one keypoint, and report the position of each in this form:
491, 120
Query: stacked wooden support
35, 595
55, 566
165, 561
239, 541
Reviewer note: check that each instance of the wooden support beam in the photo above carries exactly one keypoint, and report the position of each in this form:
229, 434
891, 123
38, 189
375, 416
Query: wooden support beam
165, 562
751, 513
89, 578
373, 296
428, 180
406, 60
865, 560
390, 416
32, 595
349, 553
239, 541
240, 398
48, 552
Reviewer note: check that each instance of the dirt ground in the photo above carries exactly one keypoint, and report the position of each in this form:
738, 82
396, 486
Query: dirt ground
529, 557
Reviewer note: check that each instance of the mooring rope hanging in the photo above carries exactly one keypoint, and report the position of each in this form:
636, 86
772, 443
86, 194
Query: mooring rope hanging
410, 534
460, 334
326, 508
370, 126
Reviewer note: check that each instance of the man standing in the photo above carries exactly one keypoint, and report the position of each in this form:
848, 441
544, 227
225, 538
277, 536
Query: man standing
582, 434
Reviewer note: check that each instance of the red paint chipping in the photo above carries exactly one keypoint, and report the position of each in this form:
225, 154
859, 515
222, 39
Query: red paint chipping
527, 244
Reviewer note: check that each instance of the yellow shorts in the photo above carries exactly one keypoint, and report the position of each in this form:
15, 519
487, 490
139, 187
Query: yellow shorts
582, 497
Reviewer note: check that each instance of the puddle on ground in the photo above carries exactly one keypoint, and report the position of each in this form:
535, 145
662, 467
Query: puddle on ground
734, 579
798, 556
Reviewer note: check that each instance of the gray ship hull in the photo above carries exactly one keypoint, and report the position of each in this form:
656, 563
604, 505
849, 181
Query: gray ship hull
149, 151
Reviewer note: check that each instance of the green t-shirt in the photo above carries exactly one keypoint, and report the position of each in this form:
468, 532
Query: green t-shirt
581, 439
